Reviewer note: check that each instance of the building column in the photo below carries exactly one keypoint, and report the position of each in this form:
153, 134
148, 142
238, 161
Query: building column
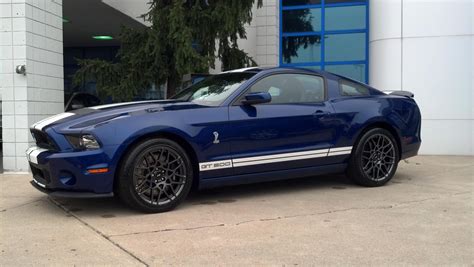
268, 25
30, 35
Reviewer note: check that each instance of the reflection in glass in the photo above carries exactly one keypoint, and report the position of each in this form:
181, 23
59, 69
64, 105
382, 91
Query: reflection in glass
302, 20
343, 1
345, 18
342, 47
301, 2
301, 49
354, 71
312, 67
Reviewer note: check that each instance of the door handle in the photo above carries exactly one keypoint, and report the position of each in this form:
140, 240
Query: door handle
320, 113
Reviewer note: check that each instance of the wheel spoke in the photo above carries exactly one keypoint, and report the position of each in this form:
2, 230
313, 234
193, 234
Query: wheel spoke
378, 157
159, 175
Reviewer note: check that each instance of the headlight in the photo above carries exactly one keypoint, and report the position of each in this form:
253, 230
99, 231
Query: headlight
83, 142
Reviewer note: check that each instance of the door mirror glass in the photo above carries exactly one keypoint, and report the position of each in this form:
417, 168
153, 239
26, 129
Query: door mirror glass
257, 98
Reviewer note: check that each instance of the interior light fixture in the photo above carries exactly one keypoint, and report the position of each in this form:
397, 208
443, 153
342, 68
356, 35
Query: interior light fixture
102, 37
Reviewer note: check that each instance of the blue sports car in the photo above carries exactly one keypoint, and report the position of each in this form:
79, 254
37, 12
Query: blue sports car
242, 126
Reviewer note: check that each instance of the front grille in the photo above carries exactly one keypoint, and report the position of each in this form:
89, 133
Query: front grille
43, 140
40, 175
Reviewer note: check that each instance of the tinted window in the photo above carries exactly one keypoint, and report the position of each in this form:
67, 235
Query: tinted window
353, 89
302, 20
344, 47
353, 71
345, 18
213, 90
300, 2
291, 88
302, 49
342, 1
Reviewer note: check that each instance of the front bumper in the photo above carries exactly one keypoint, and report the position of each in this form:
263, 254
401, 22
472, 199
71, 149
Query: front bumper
67, 173
68, 194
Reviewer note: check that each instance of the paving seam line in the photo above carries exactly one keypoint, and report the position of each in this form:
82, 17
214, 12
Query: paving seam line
57, 204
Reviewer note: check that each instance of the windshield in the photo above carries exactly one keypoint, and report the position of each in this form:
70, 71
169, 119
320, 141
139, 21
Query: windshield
213, 90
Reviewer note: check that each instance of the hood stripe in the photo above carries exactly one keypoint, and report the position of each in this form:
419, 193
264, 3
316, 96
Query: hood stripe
43, 123
126, 104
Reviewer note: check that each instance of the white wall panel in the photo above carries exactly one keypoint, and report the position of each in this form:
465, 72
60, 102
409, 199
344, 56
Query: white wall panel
440, 75
34, 39
447, 137
385, 64
437, 17
386, 17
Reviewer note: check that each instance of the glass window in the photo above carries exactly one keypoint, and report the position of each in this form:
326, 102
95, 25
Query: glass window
354, 71
352, 89
343, 1
301, 49
302, 20
312, 67
345, 18
301, 2
213, 90
342, 47
291, 88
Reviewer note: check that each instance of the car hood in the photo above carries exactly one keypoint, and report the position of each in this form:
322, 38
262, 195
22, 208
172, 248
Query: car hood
85, 117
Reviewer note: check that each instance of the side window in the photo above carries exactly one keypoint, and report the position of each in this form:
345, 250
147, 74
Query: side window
291, 88
353, 89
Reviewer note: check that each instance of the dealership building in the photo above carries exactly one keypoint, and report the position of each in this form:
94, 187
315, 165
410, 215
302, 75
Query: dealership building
422, 46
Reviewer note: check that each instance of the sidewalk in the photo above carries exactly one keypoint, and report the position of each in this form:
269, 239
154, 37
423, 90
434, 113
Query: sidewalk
424, 216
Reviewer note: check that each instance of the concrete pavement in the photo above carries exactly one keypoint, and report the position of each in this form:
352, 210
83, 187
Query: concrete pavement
424, 216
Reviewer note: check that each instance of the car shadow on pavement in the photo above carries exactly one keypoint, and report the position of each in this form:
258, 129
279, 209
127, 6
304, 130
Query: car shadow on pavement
112, 207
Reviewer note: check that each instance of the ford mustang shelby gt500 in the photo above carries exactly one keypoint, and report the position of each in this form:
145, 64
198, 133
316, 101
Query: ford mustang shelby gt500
236, 127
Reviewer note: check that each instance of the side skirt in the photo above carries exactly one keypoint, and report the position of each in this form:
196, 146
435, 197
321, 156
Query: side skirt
271, 176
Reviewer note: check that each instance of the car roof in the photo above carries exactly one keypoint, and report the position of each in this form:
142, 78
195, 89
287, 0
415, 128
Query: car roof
276, 69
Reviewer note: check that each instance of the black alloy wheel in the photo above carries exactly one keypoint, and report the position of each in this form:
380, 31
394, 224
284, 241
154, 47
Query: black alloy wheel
374, 159
378, 157
156, 177
159, 175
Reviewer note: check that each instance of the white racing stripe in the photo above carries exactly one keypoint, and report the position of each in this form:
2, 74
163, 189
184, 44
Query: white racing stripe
281, 157
32, 153
266, 161
43, 123
340, 149
127, 104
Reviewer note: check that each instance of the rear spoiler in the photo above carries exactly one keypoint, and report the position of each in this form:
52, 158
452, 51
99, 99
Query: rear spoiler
400, 93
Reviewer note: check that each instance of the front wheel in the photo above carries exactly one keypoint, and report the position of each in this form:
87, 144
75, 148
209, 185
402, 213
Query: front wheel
375, 158
155, 176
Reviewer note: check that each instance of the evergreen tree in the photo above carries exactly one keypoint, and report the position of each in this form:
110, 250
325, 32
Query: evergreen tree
185, 36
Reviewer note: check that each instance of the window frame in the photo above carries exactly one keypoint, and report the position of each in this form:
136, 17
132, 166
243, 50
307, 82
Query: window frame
238, 99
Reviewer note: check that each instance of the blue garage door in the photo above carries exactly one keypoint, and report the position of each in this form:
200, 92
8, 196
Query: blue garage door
326, 34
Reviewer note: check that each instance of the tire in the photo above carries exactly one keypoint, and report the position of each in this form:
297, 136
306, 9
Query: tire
375, 158
155, 176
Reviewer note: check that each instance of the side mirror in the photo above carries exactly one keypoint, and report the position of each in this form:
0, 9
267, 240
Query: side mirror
76, 106
257, 98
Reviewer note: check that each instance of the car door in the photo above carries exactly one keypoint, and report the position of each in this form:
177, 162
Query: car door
292, 131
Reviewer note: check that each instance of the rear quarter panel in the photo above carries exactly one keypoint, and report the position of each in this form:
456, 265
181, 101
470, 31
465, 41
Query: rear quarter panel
359, 113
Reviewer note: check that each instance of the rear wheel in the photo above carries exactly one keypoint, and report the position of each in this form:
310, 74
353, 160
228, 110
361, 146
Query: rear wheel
375, 158
156, 176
